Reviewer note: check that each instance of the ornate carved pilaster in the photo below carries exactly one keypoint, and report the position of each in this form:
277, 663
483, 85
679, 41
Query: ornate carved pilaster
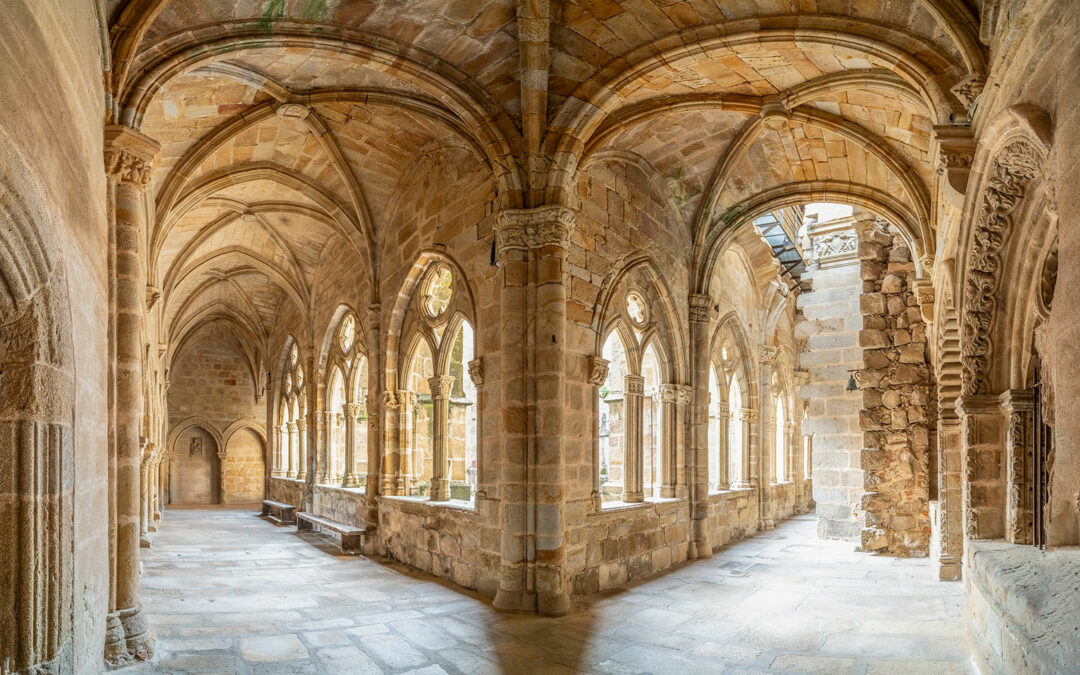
1018, 405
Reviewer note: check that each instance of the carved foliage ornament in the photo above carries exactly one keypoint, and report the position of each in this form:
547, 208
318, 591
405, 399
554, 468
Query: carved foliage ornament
1013, 169
598, 370
534, 228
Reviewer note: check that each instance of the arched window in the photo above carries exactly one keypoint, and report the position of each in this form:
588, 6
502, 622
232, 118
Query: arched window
736, 437
345, 418
639, 403
291, 458
652, 440
438, 422
612, 428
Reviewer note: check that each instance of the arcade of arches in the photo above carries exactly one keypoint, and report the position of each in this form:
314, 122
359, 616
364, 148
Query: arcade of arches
546, 298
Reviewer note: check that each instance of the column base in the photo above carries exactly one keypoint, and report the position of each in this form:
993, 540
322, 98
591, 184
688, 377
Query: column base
302, 475
440, 489
144, 540
277, 474
350, 480
290, 475
667, 491
950, 569
633, 497
517, 601
127, 637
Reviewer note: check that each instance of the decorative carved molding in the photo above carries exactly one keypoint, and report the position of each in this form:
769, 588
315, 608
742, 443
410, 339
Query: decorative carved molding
700, 307
534, 228
598, 370
476, 371
1012, 170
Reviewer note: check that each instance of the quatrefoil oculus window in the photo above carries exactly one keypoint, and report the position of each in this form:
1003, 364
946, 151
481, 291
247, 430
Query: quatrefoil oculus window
637, 310
348, 334
438, 291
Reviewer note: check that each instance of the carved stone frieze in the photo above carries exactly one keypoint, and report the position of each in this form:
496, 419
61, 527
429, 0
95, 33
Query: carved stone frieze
1012, 170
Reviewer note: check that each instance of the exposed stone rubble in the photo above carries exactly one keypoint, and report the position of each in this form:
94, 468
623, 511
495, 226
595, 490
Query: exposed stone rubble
896, 388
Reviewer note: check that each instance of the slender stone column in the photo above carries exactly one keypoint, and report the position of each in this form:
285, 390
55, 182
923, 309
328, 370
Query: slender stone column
293, 449
440, 386
301, 449
129, 158
406, 481
683, 440
723, 480
350, 479
322, 471
696, 464
144, 497
634, 453
280, 438
598, 373
748, 417
671, 437
1018, 405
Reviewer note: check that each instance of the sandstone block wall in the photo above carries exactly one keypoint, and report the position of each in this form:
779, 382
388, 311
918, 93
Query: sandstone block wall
345, 505
830, 323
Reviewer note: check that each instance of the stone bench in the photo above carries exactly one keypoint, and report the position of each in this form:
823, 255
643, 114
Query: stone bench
279, 512
350, 539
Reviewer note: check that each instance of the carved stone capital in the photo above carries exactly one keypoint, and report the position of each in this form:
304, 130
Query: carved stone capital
406, 399
534, 228
969, 89
129, 155
700, 306
441, 385
301, 425
635, 384
767, 354
669, 393
153, 294
924, 293
685, 393
351, 410
598, 370
476, 371
748, 415
390, 399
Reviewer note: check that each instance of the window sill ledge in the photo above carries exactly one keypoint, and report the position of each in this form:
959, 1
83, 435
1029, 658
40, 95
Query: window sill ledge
449, 505
620, 507
339, 488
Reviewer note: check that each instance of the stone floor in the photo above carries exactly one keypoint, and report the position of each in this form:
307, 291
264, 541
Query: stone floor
230, 593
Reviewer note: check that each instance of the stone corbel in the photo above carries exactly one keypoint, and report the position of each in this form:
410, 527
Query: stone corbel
476, 371
768, 354
954, 147
924, 292
598, 370
390, 399
129, 155
153, 294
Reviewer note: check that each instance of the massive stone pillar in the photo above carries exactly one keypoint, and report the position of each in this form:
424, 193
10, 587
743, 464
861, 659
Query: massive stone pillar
129, 158
831, 321
440, 386
532, 248
350, 479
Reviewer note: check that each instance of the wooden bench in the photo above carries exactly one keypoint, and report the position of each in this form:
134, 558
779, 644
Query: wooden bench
351, 539
279, 512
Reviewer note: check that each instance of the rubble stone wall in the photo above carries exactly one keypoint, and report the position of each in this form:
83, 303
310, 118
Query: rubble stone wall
895, 385
345, 505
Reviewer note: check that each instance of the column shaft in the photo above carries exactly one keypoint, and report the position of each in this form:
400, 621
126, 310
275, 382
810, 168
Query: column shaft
634, 457
440, 386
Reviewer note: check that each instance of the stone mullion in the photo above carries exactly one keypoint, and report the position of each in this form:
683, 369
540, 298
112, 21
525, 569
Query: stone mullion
301, 449
789, 439
1018, 405
375, 458
293, 449
598, 372
634, 453
406, 476
748, 417
440, 386
671, 436
322, 468
350, 479
278, 469
723, 481
129, 158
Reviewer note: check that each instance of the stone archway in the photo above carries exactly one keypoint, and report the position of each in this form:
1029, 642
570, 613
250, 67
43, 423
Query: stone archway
36, 431
195, 469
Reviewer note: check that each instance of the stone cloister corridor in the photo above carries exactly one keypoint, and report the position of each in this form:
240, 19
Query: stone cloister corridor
573, 335
230, 593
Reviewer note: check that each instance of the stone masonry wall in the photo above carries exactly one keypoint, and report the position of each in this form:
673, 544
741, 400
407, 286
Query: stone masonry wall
895, 386
830, 323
